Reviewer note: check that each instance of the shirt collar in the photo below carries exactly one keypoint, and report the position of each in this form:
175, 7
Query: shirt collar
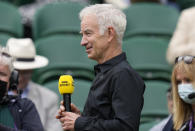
24, 94
101, 68
25, 91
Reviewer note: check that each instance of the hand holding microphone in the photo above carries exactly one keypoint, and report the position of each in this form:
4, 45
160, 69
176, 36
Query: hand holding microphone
66, 88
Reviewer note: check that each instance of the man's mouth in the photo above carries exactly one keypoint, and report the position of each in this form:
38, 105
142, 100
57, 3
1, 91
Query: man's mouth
88, 49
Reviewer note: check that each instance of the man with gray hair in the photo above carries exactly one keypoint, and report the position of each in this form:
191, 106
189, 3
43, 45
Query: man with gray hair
115, 99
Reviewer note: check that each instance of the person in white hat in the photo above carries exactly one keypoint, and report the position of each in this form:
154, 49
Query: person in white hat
16, 114
46, 101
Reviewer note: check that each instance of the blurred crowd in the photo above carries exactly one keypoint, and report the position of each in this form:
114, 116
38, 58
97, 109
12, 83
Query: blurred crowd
158, 42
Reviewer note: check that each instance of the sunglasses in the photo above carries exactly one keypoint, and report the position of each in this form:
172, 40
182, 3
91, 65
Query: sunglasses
187, 59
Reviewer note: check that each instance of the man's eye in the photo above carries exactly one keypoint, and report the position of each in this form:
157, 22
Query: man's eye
88, 33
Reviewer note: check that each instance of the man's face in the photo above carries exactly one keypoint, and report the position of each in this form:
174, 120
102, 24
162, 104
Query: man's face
24, 77
95, 44
5, 73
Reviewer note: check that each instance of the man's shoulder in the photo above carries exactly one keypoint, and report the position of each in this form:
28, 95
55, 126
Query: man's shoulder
124, 66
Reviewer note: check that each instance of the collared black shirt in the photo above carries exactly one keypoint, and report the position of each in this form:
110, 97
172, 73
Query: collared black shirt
115, 99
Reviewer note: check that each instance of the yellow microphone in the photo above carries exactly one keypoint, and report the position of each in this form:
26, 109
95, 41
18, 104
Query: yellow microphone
66, 88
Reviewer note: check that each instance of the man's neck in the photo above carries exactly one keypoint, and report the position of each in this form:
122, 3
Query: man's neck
110, 54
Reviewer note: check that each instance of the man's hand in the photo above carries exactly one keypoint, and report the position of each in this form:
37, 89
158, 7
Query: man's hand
68, 119
74, 109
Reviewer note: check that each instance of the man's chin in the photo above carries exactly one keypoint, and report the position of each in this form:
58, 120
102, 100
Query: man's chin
90, 57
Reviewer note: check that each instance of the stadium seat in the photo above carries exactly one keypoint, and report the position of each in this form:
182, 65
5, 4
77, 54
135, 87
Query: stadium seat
10, 23
150, 19
79, 95
147, 126
19, 2
183, 4
57, 18
96, 1
66, 56
4, 38
155, 100
147, 56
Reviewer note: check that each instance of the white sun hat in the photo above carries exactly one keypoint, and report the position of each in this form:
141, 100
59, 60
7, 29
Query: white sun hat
24, 54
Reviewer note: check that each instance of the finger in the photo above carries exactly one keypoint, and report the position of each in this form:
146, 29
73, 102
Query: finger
66, 123
67, 127
62, 108
63, 114
61, 102
58, 116
64, 128
62, 120
68, 114
74, 108
59, 113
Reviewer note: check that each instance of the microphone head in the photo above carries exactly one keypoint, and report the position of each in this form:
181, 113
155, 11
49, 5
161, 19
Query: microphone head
191, 96
66, 84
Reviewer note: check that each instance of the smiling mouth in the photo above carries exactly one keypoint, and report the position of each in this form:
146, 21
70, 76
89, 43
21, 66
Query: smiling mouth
88, 49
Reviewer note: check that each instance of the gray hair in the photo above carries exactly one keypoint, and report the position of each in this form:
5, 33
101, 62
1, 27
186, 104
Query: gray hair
107, 15
5, 58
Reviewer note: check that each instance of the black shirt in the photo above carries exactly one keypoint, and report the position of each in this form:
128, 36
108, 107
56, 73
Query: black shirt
115, 99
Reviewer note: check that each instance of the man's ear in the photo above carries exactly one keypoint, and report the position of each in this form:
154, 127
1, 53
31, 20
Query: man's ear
111, 33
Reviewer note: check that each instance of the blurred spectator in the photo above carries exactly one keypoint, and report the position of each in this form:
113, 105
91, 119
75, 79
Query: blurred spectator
28, 10
160, 126
183, 40
26, 60
122, 4
15, 113
171, 3
135, 1
183, 89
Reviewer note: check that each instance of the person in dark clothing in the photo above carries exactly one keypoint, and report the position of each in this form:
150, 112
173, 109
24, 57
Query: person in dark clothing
24, 114
115, 98
16, 114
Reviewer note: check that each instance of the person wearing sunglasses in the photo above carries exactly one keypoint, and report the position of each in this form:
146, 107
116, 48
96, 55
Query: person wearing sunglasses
183, 90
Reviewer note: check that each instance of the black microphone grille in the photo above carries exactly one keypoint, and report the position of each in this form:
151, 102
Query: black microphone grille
191, 96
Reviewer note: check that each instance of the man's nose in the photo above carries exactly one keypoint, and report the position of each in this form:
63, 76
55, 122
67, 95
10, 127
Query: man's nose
83, 41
